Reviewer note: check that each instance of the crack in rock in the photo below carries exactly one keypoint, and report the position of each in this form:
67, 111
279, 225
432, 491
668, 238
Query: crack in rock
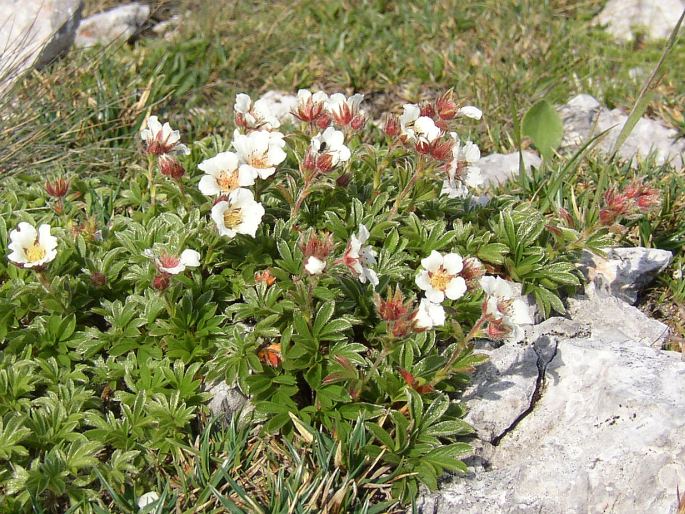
542, 364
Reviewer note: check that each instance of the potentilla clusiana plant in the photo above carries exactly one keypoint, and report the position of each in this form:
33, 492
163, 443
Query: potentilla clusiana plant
337, 274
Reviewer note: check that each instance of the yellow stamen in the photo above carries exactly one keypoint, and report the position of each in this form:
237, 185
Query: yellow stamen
260, 161
232, 218
440, 279
35, 252
227, 181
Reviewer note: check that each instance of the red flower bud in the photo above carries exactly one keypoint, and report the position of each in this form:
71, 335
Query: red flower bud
98, 279
323, 121
309, 162
324, 162
423, 147
426, 109
58, 188
392, 125
161, 281
170, 167
358, 122
442, 149
446, 106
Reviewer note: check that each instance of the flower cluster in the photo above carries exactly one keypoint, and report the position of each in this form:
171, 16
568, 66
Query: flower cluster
320, 110
503, 311
635, 198
164, 143
425, 128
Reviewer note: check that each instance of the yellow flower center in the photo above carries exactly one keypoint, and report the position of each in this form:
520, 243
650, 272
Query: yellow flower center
259, 161
232, 217
35, 252
440, 279
227, 181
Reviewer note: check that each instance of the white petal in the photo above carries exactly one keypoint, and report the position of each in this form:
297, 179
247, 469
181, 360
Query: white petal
456, 288
314, 265
25, 234
432, 262
453, 263
470, 152
470, 112
422, 280
372, 276
344, 154
434, 295
190, 258
208, 186
437, 314
411, 114
242, 103
520, 315
179, 268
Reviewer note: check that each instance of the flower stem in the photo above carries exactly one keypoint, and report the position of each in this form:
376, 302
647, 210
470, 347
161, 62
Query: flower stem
151, 180
407, 189
446, 370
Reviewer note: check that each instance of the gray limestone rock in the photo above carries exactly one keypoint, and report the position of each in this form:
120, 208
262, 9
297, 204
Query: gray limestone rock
226, 400
497, 168
584, 118
653, 18
122, 22
604, 434
34, 32
624, 272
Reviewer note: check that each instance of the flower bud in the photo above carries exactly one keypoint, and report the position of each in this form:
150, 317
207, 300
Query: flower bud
472, 271
358, 122
446, 106
240, 120
343, 180
57, 188
426, 109
423, 147
309, 162
566, 216
170, 167
442, 149
161, 281
98, 279
323, 121
265, 276
324, 162
392, 125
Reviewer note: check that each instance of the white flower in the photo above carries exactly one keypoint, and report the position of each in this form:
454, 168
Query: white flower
461, 172
470, 112
504, 310
240, 214
409, 116
173, 265
31, 248
310, 106
255, 115
331, 142
304, 96
358, 257
343, 109
223, 175
147, 499
259, 152
314, 265
440, 278
162, 139
425, 130
429, 315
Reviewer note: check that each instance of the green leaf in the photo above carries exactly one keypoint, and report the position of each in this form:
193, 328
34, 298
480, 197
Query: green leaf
543, 125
